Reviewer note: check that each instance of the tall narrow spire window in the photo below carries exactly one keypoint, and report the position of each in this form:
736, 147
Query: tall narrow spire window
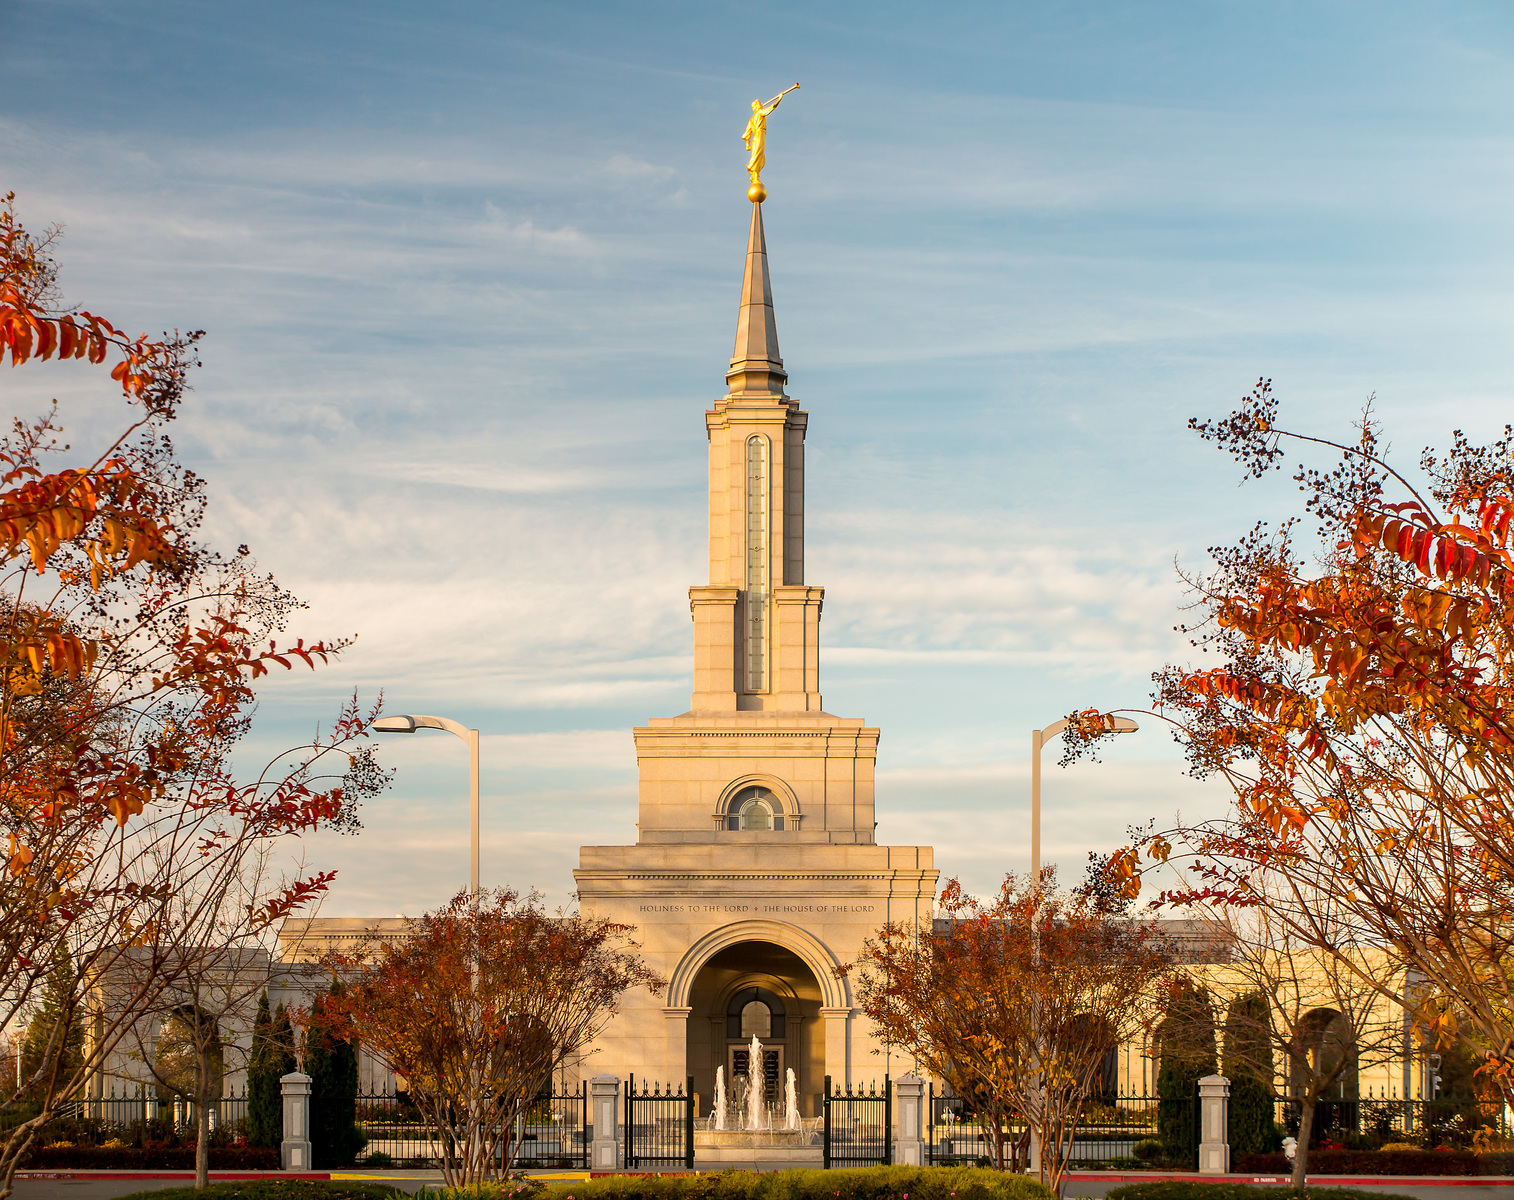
756, 562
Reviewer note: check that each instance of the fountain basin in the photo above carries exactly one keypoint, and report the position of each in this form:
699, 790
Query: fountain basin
792, 1146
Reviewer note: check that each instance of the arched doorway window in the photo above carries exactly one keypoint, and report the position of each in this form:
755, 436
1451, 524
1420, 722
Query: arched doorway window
754, 808
755, 1012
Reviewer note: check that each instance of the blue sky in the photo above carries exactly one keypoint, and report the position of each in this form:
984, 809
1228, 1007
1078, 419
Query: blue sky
470, 272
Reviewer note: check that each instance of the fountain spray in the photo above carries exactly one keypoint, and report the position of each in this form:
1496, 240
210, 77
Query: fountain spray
755, 1086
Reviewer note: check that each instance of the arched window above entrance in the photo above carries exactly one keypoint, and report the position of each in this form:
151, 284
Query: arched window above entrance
756, 1019
755, 1012
754, 808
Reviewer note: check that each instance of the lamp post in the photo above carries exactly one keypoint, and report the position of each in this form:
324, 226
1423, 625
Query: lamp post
1039, 738
409, 724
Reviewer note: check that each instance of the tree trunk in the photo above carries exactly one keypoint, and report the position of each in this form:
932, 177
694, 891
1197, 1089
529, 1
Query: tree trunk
202, 1140
1301, 1152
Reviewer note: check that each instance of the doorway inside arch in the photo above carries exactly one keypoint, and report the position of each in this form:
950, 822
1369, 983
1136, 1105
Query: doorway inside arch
742, 991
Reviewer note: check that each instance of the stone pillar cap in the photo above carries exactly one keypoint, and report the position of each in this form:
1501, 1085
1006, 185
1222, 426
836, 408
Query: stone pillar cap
605, 1079
295, 1077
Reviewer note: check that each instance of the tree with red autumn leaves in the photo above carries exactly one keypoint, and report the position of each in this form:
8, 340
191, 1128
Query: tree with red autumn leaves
128, 654
1362, 712
1014, 1003
476, 1004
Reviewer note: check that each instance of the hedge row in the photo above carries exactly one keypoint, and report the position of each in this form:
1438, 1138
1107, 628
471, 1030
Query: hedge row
277, 1189
868, 1183
1186, 1189
1375, 1162
105, 1158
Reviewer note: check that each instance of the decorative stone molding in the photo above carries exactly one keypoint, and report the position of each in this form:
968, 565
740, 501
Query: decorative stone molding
811, 951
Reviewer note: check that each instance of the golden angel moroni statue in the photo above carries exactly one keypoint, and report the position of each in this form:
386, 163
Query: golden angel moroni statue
756, 137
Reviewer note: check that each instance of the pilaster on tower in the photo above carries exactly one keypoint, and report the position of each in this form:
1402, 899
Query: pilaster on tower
756, 625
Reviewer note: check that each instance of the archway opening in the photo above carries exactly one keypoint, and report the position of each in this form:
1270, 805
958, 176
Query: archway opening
1326, 1038
742, 991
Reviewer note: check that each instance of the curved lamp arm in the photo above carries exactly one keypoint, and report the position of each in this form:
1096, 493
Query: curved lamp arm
1039, 738
409, 723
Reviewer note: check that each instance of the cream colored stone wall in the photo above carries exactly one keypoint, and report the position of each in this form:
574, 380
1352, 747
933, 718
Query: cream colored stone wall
693, 904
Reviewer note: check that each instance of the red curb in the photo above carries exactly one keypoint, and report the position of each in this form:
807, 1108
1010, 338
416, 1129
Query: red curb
1312, 1179
214, 1175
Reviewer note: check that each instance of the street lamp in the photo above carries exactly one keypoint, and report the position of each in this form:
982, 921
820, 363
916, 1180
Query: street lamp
409, 724
1039, 738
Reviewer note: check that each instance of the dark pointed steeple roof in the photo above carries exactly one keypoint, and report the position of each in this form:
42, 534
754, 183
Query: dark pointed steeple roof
756, 368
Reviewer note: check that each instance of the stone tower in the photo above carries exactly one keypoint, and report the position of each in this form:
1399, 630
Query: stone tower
755, 754
754, 876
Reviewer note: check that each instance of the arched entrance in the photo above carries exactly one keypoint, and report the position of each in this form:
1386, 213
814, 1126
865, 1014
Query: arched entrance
760, 988
1325, 1038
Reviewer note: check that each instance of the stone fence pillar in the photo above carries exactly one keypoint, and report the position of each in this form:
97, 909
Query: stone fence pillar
1214, 1125
604, 1099
909, 1145
294, 1150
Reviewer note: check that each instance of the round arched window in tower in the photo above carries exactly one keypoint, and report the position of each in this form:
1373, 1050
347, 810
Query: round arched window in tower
754, 808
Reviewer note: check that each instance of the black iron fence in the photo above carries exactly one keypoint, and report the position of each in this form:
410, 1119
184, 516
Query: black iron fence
659, 1125
135, 1116
858, 1125
552, 1132
1375, 1121
1108, 1135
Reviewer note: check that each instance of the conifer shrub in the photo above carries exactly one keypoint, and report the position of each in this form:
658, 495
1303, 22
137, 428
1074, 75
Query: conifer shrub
272, 1058
331, 1063
1247, 1058
1185, 1039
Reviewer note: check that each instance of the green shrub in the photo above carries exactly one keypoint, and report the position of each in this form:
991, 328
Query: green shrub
376, 1158
1248, 1063
518, 1187
1187, 1043
272, 1058
868, 1183
331, 1063
1184, 1189
277, 1189
1148, 1149
1377, 1162
148, 1158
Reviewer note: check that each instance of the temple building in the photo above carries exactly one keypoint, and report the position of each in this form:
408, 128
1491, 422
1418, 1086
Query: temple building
755, 872
755, 875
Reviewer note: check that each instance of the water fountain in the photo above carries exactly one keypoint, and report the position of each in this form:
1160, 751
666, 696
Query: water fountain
744, 1127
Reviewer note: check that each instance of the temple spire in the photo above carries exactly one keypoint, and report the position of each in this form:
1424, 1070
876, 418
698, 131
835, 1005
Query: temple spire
756, 368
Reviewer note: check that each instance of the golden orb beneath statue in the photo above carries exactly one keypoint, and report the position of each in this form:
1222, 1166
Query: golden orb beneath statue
757, 193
